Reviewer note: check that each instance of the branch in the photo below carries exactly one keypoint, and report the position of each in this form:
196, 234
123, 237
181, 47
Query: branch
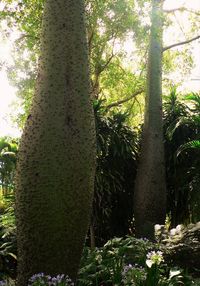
107, 63
90, 38
182, 9
119, 102
181, 43
191, 11
99, 70
23, 36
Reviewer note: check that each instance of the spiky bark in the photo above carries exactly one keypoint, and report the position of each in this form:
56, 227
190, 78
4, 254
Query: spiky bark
55, 171
150, 189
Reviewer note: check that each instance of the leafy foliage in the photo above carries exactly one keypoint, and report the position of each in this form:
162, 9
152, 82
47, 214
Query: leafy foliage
8, 151
126, 262
110, 77
181, 128
104, 266
189, 145
8, 244
117, 147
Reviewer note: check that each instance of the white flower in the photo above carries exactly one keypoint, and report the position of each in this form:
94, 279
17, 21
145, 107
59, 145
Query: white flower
174, 273
154, 257
149, 263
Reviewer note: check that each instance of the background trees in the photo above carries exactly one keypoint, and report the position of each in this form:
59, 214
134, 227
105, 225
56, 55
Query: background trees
8, 151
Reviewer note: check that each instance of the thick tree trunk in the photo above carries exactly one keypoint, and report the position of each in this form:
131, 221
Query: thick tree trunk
150, 190
56, 164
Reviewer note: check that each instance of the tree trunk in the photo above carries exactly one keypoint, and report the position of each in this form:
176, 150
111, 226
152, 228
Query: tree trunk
56, 163
92, 237
150, 190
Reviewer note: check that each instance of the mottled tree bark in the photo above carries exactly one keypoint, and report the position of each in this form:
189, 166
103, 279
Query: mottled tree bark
150, 188
56, 164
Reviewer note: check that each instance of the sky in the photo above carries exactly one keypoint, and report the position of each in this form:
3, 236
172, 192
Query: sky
193, 81
171, 4
8, 92
7, 97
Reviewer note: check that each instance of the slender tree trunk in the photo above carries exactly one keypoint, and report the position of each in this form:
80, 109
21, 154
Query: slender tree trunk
56, 163
150, 190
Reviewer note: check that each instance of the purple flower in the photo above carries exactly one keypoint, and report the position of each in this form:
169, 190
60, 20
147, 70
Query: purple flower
126, 269
35, 277
47, 280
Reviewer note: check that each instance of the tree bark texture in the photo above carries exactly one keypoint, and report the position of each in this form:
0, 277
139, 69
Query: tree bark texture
56, 163
150, 188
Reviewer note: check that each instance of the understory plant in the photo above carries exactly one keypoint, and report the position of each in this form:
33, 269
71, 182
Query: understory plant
129, 262
105, 265
120, 262
41, 279
8, 245
181, 133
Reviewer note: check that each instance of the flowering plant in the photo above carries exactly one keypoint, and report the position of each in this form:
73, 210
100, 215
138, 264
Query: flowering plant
133, 275
47, 280
8, 282
154, 257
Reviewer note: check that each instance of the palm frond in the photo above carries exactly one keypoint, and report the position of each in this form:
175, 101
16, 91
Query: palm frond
195, 98
194, 144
